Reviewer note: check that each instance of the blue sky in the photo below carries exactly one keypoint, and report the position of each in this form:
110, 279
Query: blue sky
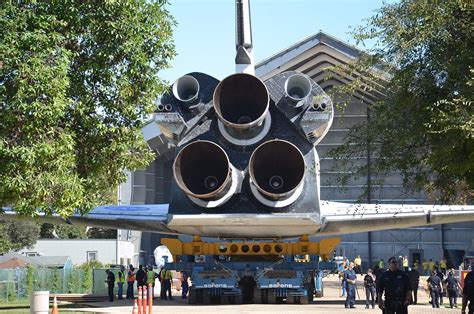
205, 34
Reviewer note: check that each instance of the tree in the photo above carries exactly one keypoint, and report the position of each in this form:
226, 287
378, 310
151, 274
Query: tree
101, 233
16, 235
77, 81
424, 126
50, 231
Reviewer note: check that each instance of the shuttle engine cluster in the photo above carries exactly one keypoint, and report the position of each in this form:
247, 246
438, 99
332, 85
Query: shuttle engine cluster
245, 146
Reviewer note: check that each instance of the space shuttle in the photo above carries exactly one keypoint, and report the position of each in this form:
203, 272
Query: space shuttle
247, 164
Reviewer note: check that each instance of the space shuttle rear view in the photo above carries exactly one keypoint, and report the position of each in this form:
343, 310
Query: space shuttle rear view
247, 164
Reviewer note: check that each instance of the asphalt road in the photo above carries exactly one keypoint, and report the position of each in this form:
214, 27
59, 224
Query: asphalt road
330, 303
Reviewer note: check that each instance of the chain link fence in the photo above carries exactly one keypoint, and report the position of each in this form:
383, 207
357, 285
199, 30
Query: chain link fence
17, 284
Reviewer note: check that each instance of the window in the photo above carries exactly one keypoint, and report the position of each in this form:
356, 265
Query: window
32, 254
91, 256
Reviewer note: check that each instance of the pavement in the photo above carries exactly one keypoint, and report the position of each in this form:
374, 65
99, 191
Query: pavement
332, 303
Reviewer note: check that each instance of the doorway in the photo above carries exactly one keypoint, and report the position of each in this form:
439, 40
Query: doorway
415, 256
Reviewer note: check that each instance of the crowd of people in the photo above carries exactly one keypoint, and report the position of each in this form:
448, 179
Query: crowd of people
144, 277
395, 286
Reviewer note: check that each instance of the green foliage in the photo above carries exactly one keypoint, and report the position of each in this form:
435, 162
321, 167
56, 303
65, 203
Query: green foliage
71, 232
101, 233
11, 292
422, 122
29, 279
56, 282
77, 80
74, 283
50, 231
15, 235
87, 281
47, 231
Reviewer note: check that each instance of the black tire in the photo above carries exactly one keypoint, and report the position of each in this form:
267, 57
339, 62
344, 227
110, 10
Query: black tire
206, 297
272, 298
257, 296
192, 296
304, 300
264, 295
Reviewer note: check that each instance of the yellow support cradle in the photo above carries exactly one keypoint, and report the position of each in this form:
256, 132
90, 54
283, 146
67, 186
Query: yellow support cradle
324, 248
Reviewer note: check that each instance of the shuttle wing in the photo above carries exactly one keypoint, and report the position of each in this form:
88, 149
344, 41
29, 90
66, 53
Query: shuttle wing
151, 218
334, 219
344, 218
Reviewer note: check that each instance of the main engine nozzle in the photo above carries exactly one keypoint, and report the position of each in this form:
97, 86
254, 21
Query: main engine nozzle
276, 170
202, 170
241, 103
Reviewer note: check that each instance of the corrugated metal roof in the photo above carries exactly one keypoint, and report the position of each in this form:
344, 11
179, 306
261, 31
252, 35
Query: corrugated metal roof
40, 261
13, 263
292, 52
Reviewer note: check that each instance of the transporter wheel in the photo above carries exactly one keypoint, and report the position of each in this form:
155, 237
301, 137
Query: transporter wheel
206, 297
213, 299
271, 297
310, 291
192, 296
304, 300
239, 299
264, 296
257, 296
290, 300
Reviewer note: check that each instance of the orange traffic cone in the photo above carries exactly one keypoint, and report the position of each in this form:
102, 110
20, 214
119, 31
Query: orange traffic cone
140, 296
55, 307
135, 307
150, 299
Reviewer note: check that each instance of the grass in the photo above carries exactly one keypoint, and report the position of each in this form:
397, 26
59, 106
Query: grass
23, 306
25, 311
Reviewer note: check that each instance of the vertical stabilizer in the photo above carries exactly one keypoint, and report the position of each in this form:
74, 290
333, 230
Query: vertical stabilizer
244, 61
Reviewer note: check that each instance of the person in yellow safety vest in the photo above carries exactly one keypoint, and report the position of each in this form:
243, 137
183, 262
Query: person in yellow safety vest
416, 265
381, 264
443, 265
358, 265
130, 282
150, 279
166, 277
120, 282
426, 267
405, 263
431, 265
